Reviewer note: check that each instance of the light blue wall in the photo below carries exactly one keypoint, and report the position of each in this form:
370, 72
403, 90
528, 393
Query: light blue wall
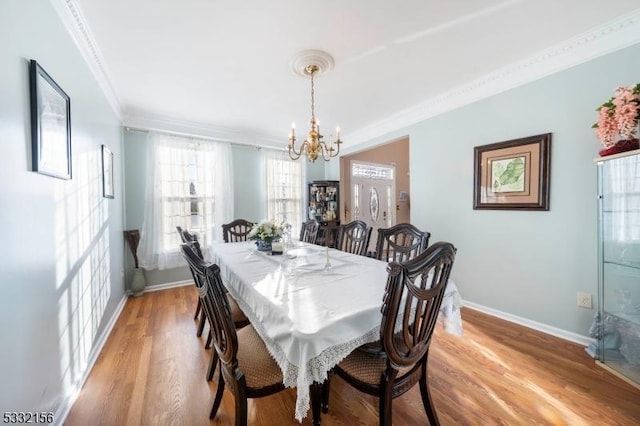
62, 252
316, 171
527, 264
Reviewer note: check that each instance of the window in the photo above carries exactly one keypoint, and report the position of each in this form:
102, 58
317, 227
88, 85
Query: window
189, 185
285, 181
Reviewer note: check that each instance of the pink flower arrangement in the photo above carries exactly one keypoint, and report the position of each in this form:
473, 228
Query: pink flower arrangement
619, 116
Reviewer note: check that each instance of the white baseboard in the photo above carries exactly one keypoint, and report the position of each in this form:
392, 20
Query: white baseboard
164, 286
65, 406
557, 332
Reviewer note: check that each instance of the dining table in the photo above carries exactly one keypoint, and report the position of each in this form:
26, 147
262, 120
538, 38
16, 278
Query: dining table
312, 305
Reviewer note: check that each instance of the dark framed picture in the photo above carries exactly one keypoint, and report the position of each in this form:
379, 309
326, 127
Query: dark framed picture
513, 175
50, 125
107, 173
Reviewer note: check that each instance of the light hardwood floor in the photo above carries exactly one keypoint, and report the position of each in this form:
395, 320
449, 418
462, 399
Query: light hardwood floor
152, 372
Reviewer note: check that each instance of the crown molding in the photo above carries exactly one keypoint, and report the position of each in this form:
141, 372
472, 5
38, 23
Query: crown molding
197, 129
75, 23
614, 35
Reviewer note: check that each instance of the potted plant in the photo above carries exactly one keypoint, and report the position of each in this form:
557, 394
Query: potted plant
264, 233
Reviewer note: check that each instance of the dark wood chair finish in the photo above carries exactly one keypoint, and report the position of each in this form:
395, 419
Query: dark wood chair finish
188, 237
236, 231
190, 251
400, 243
309, 232
354, 237
246, 366
411, 303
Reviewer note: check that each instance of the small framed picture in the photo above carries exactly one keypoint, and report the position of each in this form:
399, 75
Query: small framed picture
50, 125
513, 175
107, 173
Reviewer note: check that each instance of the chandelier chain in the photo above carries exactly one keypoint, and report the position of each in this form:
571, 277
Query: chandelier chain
313, 108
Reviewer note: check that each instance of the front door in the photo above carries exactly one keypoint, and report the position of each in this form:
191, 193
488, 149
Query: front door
373, 196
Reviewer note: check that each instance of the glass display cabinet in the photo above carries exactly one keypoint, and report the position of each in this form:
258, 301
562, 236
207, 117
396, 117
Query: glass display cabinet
324, 202
617, 322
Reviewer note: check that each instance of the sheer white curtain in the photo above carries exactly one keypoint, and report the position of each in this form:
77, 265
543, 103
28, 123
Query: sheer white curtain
285, 188
189, 184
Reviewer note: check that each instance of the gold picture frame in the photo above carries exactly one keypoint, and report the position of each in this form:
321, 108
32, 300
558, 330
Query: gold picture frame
513, 175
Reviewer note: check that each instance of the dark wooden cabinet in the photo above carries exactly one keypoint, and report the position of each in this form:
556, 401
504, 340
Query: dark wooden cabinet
324, 205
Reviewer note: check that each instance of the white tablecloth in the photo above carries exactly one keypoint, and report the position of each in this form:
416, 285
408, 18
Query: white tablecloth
311, 318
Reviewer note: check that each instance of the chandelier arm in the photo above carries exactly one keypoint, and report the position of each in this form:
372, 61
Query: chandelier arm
292, 148
324, 148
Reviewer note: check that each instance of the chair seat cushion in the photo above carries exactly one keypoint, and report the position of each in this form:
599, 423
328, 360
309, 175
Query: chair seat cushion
367, 366
239, 318
259, 368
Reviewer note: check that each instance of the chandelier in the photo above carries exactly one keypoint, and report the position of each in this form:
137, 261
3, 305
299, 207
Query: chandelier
314, 145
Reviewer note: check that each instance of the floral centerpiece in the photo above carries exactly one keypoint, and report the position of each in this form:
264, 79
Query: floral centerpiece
264, 233
617, 125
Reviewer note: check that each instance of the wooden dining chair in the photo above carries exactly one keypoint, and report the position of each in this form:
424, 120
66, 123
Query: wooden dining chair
354, 237
309, 231
188, 237
190, 253
236, 231
245, 363
400, 243
411, 304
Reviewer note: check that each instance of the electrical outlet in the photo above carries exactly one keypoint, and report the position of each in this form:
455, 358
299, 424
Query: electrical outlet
585, 300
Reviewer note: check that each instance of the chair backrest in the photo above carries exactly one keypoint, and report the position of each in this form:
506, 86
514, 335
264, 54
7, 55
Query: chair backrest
216, 305
354, 237
400, 243
188, 237
309, 231
411, 303
235, 231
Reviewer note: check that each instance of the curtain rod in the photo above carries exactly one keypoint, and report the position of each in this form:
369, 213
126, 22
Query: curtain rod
191, 135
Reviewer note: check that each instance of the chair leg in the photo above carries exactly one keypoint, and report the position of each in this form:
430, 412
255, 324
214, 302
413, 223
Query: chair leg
209, 338
315, 391
386, 397
241, 405
218, 398
201, 325
426, 399
326, 386
212, 364
198, 309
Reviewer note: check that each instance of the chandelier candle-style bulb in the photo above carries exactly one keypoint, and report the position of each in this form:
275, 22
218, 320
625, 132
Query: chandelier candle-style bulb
292, 136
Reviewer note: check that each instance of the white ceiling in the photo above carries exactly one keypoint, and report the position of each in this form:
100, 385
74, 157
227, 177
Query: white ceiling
223, 67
